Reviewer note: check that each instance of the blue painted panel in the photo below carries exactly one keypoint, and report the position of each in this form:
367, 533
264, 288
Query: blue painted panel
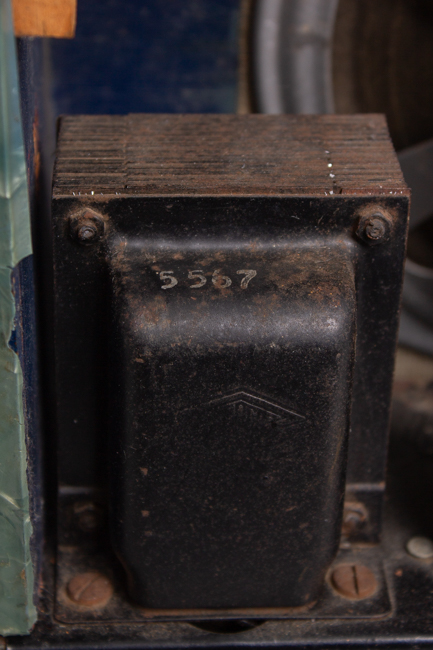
149, 56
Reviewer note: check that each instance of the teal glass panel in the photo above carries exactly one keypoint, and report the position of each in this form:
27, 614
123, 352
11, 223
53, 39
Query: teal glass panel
17, 611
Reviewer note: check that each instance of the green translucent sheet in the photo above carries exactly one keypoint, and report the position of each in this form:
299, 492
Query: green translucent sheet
17, 612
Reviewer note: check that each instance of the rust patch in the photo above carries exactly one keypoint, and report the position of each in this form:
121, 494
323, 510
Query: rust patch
152, 310
216, 258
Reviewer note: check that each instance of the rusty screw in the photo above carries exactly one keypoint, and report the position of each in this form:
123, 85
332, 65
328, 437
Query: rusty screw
354, 581
90, 589
86, 227
373, 229
354, 518
86, 233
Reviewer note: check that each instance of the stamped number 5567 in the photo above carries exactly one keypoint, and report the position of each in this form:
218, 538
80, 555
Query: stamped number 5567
219, 280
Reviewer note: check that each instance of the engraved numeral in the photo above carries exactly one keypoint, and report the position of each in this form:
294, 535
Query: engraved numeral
249, 275
220, 281
168, 275
197, 275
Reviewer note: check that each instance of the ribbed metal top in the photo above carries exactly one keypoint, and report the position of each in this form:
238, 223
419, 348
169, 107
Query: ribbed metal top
226, 155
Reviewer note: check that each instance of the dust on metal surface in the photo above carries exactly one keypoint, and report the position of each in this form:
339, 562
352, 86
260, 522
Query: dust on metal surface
213, 299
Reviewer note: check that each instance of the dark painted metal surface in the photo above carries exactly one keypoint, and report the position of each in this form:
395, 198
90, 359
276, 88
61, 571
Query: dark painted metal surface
189, 381
228, 451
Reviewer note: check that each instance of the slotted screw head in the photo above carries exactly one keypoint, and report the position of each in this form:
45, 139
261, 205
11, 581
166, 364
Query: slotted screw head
90, 589
354, 581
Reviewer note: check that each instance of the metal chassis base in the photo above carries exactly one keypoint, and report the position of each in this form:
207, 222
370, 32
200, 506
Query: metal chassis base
408, 621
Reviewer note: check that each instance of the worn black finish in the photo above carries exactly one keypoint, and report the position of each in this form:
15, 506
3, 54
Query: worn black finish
164, 373
82, 550
228, 452
225, 396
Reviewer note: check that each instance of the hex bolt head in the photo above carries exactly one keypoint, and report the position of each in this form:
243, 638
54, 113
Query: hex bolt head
354, 581
86, 227
90, 589
420, 547
374, 228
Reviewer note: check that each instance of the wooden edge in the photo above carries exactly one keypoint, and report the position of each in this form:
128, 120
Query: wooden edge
49, 18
